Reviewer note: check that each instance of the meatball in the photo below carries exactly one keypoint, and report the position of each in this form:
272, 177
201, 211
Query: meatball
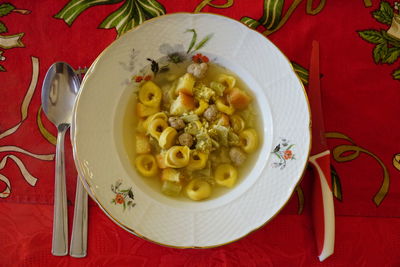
198, 70
211, 113
237, 156
185, 139
176, 123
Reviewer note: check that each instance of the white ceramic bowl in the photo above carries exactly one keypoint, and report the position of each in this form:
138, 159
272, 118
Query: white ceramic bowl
107, 171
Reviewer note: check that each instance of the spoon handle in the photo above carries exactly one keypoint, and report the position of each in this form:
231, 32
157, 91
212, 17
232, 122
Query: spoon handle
79, 227
60, 219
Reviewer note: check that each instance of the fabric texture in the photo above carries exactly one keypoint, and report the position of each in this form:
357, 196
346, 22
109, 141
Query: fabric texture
360, 50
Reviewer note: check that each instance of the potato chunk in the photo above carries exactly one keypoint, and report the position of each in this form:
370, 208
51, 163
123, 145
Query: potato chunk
142, 144
185, 84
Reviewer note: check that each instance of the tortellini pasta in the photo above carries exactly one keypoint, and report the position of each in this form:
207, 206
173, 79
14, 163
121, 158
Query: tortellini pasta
158, 115
226, 175
229, 80
146, 165
156, 127
177, 157
225, 108
197, 161
203, 105
167, 137
198, 189
150, 94
249, 139
237, 123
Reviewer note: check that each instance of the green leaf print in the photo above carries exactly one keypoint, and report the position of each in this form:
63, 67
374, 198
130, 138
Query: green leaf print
193, 41
384, 14
203, 42
272, 13
380, 52
75, 7
396, 74
2, 68
252, 23
5, 9
3, 27
130, 14
393, 54
391, 40
151, 8
125, 18
371, 36
336, 185
387, 47
200, 44
301, 72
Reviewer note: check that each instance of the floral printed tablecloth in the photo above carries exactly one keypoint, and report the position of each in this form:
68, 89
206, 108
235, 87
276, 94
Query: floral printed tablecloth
360, 65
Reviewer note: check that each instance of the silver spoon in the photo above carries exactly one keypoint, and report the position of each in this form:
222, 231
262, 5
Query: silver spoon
59, 91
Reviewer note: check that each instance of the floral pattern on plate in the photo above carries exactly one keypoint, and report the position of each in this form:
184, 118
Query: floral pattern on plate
173, 54
283, 151
123, 197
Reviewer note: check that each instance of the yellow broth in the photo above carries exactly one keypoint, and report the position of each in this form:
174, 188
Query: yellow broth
164, 80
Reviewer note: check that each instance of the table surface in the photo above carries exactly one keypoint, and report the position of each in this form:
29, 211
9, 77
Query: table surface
360, 97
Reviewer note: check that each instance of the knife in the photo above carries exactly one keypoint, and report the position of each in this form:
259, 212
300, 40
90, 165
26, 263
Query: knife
323, 208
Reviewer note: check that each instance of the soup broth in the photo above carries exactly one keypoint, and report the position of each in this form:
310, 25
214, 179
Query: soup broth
198, 151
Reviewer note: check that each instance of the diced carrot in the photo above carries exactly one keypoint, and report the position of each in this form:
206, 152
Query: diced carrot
183, 103
238, 98
187, 101
223, 120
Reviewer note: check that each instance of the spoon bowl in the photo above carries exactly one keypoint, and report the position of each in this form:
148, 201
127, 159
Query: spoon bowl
59, 91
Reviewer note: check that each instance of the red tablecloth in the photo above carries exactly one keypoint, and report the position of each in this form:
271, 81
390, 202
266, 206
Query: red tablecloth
360, 50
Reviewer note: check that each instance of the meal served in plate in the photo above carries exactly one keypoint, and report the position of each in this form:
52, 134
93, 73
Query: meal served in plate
196, 129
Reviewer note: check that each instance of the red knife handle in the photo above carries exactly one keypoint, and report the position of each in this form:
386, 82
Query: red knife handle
323, 209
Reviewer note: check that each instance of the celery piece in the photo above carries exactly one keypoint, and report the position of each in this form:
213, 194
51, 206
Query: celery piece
215, 144
223, 156
203, 92
233, 138
190, 118
170, 174
218, 88
222, 132
171, 188
249, 116
192, 128
213, 133
155, 148
204, 143
205, 172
